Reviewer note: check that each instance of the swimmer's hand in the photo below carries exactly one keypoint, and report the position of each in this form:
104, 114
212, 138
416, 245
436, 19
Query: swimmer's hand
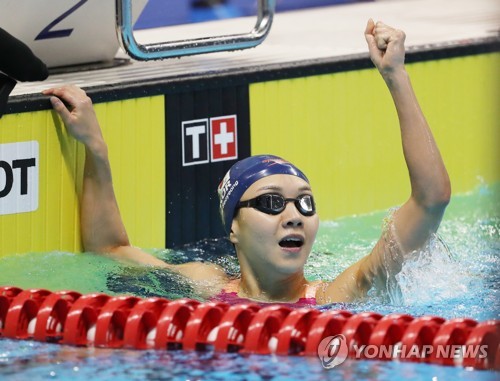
386, 46
76, 111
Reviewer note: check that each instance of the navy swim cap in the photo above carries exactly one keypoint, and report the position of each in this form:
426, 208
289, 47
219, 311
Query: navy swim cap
243, 174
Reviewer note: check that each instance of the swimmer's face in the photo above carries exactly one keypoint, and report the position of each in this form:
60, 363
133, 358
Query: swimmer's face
282, 241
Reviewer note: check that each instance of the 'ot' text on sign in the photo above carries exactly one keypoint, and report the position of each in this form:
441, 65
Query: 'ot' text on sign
19, 177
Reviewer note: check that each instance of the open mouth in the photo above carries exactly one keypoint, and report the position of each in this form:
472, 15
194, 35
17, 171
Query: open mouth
291, 242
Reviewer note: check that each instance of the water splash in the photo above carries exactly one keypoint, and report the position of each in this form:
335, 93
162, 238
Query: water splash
431, 275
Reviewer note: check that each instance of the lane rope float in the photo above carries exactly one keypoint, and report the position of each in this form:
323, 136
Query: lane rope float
100, 320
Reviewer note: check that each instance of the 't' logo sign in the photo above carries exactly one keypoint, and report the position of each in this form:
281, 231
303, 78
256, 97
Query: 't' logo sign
205, 140
194, 142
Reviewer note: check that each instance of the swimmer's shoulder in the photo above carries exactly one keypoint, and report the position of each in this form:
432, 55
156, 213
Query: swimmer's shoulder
202, 272
351, 285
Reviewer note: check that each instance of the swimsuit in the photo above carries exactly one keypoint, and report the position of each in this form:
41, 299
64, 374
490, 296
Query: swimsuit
232, 298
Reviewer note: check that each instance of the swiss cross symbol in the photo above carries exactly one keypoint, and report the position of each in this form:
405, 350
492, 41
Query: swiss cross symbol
223, 138
205, 140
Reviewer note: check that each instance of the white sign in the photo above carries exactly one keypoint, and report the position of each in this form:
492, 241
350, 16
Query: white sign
19, 167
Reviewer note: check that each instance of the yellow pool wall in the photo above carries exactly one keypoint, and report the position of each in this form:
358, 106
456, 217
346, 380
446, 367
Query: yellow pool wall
134, 131
341, 129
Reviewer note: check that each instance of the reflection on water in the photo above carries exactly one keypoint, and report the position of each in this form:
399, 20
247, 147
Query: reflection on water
24, 360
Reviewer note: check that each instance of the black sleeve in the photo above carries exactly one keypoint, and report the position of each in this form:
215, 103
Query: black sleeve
18, 61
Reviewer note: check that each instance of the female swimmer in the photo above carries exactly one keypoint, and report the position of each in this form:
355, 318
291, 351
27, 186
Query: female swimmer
267, 203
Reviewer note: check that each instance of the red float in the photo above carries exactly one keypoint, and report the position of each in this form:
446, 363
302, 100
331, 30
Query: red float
22, 313
114, 322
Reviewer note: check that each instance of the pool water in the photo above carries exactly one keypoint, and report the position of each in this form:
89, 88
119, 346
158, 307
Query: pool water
458, 277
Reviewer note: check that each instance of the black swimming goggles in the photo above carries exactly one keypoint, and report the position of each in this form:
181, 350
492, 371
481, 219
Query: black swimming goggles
272, 203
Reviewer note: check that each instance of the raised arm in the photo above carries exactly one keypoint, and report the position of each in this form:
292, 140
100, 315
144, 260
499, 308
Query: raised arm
420, 216
102, 228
